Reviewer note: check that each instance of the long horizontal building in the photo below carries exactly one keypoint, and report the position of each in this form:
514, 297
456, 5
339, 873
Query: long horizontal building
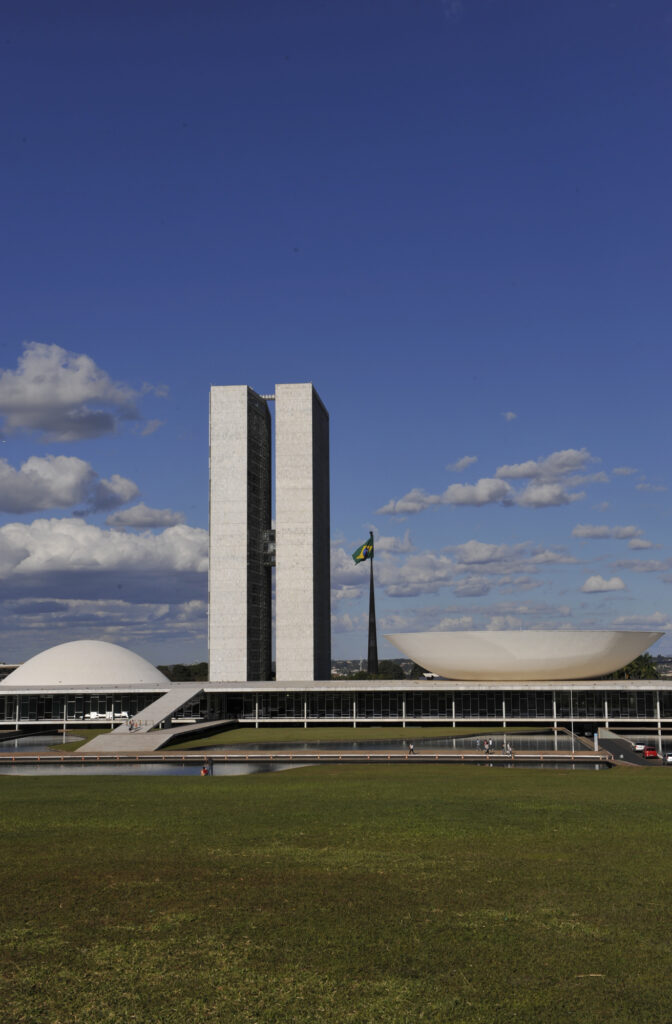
92, 682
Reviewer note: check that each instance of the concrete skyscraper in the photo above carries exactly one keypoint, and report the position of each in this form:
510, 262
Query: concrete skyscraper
243, 548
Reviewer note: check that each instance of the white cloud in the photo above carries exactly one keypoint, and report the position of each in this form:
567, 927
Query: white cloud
598, 585
475, 551
420, 574
586, 531
143, 518
349, 623
48, 546
484, 492
346, 593
463, 463
638, 543
657, 621
650, 487
570, 460
644, 564
59, 481
32, 624
393, 545
150, 427
623, 470
546, 495
504, 622
549, 481
471, 569
455, 623
415, 501
472, 586
114, 492
510, 416
62, 395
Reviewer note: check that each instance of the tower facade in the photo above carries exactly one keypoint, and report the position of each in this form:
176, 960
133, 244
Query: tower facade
239, 600
302, 535
242, 551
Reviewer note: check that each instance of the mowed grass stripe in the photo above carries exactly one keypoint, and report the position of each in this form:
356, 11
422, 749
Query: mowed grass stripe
360, 894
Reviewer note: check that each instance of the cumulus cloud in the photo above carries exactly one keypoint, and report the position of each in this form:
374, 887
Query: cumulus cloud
644, 564
48, 546
463, 463
63, 396
585, 531
140, 517
547, 495
598, 585
471, 569
59, 481
472, 586
415, 501
510, 416
504, 622
151, 426
550, 482
393, 545
420, 574
570, 460
644, 486
657, 621
638, 543
623, 470
455, 623
484, 492
172, 627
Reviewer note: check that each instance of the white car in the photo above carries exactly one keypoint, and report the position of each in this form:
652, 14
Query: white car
639, 748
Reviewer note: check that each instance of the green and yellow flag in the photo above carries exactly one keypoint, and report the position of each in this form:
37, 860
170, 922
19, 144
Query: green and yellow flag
364, 551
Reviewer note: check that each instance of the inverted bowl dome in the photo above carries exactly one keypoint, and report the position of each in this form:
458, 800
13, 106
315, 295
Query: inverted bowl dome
539, 655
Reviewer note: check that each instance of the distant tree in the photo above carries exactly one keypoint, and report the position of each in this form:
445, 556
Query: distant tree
390, 670
643, 667
197, 673
416, 672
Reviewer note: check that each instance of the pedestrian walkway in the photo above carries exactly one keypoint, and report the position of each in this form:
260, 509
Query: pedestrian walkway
142, 738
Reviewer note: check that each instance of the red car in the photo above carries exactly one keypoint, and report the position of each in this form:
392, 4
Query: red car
650, 752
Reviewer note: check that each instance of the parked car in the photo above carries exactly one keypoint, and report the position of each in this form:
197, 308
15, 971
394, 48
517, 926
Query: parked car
639, 747
650, 752
668, 758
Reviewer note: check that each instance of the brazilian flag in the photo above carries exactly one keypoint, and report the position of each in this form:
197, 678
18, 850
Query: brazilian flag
364, 551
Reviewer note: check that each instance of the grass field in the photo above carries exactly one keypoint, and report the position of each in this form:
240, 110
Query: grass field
395, 894
337, 733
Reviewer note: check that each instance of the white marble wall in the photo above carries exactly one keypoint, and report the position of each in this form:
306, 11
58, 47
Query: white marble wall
302, 644
227, 618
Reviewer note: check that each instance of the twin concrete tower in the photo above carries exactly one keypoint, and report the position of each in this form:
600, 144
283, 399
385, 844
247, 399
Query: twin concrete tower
245, 547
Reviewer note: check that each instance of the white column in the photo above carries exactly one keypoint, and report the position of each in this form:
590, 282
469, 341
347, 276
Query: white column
302, 583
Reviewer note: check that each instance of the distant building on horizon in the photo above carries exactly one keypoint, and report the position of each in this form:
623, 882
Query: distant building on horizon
244, 548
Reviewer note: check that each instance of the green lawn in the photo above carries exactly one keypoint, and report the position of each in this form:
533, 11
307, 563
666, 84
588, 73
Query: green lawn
367, 894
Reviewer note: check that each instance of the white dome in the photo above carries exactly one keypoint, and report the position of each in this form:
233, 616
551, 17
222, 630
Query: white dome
85, 663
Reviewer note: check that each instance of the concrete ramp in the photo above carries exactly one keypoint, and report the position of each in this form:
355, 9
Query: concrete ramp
125, 739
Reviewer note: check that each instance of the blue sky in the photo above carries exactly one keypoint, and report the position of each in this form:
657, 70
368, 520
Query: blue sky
452, 216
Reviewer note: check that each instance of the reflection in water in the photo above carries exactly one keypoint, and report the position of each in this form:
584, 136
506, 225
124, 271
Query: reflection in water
38, 744
142, 769
519, 741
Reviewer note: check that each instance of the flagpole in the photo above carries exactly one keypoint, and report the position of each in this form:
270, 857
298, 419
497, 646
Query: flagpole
373, 639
